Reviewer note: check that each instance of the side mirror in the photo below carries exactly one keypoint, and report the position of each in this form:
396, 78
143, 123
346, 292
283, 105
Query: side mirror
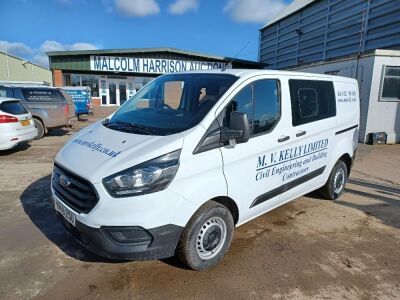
239, 129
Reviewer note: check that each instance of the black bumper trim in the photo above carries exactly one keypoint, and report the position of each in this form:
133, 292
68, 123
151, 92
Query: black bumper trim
163, 245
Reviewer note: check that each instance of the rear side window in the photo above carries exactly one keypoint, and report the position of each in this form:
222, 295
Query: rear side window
13, 107
6, 92
42, 95
312, 100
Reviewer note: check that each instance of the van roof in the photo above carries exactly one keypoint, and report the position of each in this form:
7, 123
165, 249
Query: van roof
28, 86
6, 99
253, 72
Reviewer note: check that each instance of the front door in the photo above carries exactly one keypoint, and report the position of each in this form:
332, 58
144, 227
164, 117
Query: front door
253, 170
116, 92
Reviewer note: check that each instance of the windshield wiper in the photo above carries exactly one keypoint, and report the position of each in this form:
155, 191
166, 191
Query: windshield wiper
131, 127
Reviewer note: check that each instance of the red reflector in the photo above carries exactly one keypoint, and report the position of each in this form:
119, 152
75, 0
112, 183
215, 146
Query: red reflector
66, 110
8, 119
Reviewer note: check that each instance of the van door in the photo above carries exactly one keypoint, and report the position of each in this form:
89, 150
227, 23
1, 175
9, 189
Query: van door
46, 103
252, 169
312, 134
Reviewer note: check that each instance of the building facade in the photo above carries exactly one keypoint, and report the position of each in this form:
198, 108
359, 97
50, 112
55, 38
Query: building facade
115, 75
17, 70
353, 38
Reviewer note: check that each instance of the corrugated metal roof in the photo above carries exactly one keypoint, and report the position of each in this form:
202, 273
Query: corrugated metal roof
290, 9
24, 60
148, 50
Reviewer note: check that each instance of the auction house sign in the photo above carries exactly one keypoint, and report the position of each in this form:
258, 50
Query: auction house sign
150, 65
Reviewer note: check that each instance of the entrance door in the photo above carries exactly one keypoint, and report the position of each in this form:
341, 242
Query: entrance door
117, 92
122, 92
112, 92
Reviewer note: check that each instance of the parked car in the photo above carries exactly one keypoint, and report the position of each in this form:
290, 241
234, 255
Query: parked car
50, 107
81, 95
16, 124
210, 151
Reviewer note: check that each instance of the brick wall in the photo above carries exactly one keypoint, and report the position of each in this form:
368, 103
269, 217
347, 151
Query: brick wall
57, 78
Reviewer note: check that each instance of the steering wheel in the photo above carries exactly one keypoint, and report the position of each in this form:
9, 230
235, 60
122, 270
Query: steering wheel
167, 106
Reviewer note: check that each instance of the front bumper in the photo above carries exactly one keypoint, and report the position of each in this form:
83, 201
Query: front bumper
161, 243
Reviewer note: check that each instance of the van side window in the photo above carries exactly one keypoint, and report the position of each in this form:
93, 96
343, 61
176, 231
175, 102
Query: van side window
6, 92
3, 92
267, 108
312, 100
308, 102
42, 95
242, 102
260, 101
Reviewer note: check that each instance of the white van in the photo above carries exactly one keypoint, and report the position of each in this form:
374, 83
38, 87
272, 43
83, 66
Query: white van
193, 155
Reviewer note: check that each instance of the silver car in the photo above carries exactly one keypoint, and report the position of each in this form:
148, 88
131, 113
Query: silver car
16, 124
50, 107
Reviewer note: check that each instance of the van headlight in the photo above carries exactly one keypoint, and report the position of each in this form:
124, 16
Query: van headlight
148, 177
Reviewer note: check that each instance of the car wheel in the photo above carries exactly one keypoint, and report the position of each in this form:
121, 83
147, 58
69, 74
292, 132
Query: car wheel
207, 236
334, 187
40, 128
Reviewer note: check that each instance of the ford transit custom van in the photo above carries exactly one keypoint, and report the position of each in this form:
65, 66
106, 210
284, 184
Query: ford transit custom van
193, 155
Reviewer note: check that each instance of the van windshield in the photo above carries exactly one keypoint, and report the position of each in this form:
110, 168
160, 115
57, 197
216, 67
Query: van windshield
170, 103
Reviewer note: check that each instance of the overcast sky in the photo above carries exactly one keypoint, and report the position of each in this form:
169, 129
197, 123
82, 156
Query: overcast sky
29, 28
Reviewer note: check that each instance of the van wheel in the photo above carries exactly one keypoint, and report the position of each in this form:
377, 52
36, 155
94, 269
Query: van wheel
206, 237
40, 128
334, 187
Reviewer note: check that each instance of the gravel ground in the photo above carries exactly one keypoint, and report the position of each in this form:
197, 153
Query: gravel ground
309, 248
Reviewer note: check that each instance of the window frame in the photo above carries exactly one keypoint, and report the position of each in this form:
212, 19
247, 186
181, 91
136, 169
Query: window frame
279, 95
383, 76
292, 107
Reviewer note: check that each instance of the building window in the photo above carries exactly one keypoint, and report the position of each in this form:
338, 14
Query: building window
390, 84
91, 81
311, 100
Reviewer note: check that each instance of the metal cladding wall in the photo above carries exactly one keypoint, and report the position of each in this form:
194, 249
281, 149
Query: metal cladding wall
327, 29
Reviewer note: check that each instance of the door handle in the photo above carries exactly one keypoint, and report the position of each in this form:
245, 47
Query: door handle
283, 138
301, 133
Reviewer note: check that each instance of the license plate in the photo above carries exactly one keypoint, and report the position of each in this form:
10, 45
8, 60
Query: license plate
25, 122
65, 212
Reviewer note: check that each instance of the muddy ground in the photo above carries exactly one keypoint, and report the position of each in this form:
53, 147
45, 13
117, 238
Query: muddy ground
310, 248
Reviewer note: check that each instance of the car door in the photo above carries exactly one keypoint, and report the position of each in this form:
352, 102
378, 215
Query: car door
252, 169
312, 132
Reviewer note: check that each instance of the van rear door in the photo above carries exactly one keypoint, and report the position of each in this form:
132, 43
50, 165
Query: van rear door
70, 103
47, 103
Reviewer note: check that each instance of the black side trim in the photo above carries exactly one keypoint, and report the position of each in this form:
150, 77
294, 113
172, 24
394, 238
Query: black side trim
286, 187
347, 129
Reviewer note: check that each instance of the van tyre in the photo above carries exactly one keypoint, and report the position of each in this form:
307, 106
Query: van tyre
334, 187
206, 237
40, 127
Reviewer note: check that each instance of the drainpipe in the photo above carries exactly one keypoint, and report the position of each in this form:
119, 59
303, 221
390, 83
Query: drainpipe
8, 69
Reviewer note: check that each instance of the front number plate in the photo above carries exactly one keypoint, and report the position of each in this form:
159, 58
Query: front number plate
65, 212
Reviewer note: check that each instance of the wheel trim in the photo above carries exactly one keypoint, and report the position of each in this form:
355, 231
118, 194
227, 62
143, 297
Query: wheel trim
211, 238
338, 181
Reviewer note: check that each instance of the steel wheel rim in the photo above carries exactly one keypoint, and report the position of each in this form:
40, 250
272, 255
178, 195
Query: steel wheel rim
338, 181
211, 238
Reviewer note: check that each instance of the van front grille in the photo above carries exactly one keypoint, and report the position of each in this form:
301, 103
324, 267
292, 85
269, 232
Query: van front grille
76, 192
